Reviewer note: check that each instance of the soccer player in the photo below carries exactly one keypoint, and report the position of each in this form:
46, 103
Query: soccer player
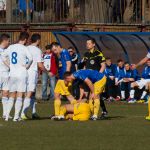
17, 55
33, 74
64, 59
63, 88
96, 82
4, 73
77, 112
142, 82
143, 61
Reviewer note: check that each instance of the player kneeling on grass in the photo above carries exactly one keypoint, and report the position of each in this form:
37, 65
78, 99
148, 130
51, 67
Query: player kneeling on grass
148, 117
96, 82
77, 112
63, 88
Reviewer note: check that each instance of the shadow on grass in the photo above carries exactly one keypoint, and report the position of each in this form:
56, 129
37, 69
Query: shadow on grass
113, 118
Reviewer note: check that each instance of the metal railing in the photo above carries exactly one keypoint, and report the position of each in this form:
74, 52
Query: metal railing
76, 11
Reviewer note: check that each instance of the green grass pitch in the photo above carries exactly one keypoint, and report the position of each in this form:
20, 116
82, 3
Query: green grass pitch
125, 130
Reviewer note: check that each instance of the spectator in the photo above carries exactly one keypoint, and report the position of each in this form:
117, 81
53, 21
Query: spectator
39, 9
22, 4
64, 59
74, 59
125, 80
51, 64
2, 8
118, 74
110, 74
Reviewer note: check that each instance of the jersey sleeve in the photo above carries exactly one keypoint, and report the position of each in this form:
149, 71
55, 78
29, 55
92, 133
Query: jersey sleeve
67, 56
5, 54
101, 57
148, 55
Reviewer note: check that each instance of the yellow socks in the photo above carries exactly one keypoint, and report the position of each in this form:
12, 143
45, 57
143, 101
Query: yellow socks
96, 107
62, 111
73, 101
91, 106
149, 106
57, 104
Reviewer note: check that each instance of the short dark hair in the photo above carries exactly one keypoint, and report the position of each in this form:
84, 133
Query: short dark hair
48, 47
3, 37
92, 40
35, 37
55, 44
120, 60
71, 47
67, 74
23, 36
127, 63
108, 58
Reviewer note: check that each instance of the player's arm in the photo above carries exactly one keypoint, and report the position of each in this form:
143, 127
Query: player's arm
68, 63
143, 61
103, 67
103, 64
4, 57
41, 67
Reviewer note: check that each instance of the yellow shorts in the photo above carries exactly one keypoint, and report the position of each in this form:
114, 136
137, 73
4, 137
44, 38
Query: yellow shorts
62, 89
99, 86
82, 112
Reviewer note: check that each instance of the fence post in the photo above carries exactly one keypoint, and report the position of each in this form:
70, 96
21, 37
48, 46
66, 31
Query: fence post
143, 12
28, 19
8, 11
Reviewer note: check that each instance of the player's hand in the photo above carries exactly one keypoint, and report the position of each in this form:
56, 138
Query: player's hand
92, 95
116, 83
112, 77
50, 74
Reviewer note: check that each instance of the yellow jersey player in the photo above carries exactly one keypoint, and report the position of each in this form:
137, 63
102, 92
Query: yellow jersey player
63, 88
77, 112
95, 81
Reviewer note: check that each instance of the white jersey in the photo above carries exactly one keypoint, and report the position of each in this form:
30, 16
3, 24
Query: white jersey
17, 55
148, 55
37, 57
47, 61
3, 67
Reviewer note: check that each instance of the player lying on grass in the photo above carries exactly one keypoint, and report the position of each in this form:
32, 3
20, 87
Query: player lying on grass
77, 112
148, 117
95, 81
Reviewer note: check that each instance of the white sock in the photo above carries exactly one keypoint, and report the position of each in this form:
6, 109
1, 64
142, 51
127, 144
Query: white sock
4, 103
32, 104
18, 106
26, 105
143, 94
10, 104
132, 93
123, 94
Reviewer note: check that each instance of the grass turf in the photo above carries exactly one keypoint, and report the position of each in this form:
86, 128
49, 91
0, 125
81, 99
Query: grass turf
126, 129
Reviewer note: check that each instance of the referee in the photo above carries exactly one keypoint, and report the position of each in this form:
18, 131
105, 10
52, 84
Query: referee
95, 60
